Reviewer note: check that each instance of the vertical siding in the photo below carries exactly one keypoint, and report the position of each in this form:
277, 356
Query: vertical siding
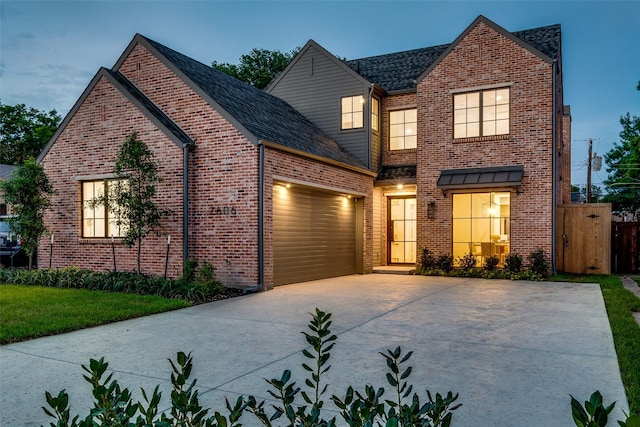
314, 86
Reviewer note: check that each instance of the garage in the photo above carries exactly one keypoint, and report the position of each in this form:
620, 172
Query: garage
314, 233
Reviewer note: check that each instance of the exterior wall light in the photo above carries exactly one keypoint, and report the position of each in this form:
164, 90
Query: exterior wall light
431, 210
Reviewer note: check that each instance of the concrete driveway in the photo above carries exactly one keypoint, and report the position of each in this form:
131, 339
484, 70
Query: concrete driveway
514, 351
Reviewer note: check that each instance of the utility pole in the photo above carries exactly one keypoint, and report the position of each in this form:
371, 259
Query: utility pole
589, 171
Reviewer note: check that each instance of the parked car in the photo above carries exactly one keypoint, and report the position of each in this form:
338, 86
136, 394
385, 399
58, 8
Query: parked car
11, 253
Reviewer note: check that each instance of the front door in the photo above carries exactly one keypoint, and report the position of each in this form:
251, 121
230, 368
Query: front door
401, 219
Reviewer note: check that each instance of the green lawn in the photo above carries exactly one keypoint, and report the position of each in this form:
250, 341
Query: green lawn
33, 311
620, 304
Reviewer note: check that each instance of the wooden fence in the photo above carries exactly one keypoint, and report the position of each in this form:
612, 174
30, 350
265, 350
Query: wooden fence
583, 242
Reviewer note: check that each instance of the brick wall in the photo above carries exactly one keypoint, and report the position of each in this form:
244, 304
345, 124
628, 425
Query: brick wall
484, 57
89, 146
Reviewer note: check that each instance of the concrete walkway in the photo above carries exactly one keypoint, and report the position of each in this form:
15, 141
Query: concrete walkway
514, 351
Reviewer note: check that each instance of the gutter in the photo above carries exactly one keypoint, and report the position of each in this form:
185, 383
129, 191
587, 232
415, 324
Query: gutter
260, 286
554, 224
369, 131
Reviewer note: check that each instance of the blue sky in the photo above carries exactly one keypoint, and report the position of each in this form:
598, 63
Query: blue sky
50, 50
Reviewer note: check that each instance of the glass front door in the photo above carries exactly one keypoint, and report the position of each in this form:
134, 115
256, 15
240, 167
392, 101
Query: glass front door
402, 233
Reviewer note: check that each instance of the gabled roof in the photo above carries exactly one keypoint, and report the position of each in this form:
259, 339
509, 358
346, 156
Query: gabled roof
144, 104
259, 115
400, 71
331, 57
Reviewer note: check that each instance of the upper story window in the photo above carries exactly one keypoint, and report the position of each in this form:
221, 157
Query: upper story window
352, 112
481, 113
375, 114
403, 129
97, 219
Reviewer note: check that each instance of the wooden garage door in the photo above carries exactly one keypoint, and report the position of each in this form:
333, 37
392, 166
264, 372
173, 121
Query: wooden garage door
314, 234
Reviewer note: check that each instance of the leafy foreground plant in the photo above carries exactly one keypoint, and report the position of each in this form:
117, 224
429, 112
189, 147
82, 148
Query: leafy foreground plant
595, 414
113, 405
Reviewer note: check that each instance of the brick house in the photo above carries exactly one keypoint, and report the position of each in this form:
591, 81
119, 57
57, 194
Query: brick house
337, 167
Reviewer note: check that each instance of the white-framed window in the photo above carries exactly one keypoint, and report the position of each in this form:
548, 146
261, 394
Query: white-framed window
97, 219
481, 113
403, 126
375, 114
352, 112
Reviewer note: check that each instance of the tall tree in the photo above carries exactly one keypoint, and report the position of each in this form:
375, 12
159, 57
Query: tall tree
259, 66
623, 167
28, 192
131, 195
24, 131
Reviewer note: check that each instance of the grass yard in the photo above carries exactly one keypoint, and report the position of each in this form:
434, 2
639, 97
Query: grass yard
33, 311
620, 304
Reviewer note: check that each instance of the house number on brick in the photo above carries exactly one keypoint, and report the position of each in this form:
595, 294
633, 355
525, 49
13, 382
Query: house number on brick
223, 210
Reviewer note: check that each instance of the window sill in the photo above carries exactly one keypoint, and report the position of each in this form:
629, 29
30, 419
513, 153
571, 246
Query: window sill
98, 240
482, 138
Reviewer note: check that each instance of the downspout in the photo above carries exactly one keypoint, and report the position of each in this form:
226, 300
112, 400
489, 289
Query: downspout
260, 285
185, 200
369, 132
554, 122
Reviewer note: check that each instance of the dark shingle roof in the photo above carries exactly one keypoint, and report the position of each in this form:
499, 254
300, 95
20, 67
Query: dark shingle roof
545, 39
396, 71
405, 173
399, 71
265, 116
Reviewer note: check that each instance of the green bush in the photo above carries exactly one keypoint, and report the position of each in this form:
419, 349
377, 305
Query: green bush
427, 260
513, 263
467, 262
445, 263
195, 285
443, 266
539, 263
113, 405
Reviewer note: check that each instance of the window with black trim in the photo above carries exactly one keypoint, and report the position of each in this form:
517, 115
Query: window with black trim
402, 129
98, 220
352, 112
481, 113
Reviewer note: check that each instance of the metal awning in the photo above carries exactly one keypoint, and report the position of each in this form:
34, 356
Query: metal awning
502, 176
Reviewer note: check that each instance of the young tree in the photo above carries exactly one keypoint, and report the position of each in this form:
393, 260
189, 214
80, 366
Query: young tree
623, 161
259, 66
131, 196
28, 192
24, 132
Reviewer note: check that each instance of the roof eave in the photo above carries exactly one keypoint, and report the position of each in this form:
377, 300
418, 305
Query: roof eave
317, 157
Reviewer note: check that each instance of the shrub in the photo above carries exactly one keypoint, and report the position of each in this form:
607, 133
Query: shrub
513, 263
491, 263
113, 405
467, 262
197, 288
427, 260
445, 263
539, 263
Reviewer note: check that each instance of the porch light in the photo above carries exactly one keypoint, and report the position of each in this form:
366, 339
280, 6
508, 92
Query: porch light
399, 186
431, 210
